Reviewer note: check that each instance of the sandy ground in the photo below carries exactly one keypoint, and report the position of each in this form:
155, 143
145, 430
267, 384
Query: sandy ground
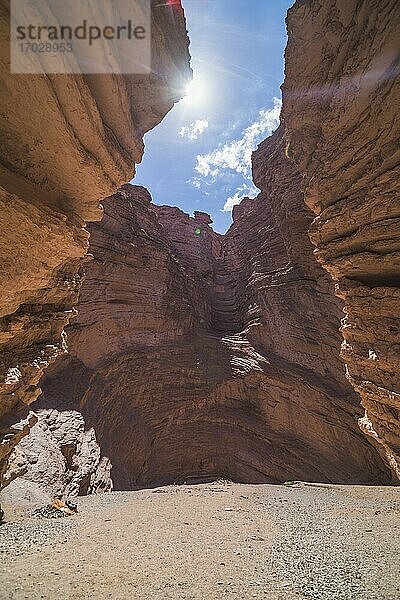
210, 541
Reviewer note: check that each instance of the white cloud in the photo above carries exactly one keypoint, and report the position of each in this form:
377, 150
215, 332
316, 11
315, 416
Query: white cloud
247, 189
195, 130
236, 155
232, 201
195, 182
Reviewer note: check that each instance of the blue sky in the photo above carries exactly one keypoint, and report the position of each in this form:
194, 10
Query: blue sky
198, 158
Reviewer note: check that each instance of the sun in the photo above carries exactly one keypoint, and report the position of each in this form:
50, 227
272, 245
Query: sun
196, 92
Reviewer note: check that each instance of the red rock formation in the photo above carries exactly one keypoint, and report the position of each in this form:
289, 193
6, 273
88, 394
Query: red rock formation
67, 141
340, 109
198, 356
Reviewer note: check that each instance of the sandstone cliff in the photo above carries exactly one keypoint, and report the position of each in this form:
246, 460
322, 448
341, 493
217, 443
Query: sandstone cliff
67, 141
340, 110
196, 356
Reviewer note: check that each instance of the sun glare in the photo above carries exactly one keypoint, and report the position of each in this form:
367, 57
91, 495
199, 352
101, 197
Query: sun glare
196, 92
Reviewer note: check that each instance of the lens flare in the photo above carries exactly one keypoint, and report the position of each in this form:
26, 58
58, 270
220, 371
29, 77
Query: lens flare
175, 4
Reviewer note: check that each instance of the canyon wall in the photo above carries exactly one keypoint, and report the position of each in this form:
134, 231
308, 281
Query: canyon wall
67, 141
340, 111
196, 356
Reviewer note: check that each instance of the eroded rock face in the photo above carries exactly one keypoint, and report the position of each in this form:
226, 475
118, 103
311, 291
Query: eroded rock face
67, 141
340, 109
196, 356
57, 457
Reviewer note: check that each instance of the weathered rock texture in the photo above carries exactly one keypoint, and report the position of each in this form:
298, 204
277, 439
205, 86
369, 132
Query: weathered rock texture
204, 356
67, 141
340, 110
57, 457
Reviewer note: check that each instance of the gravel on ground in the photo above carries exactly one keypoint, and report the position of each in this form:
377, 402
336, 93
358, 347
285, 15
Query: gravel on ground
210, 541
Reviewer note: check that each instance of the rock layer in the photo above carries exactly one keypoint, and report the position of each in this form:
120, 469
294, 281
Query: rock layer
196, 356
340, 109
67, 141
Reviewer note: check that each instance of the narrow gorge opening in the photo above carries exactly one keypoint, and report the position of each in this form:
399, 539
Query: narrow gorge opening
198, 354
200, 406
